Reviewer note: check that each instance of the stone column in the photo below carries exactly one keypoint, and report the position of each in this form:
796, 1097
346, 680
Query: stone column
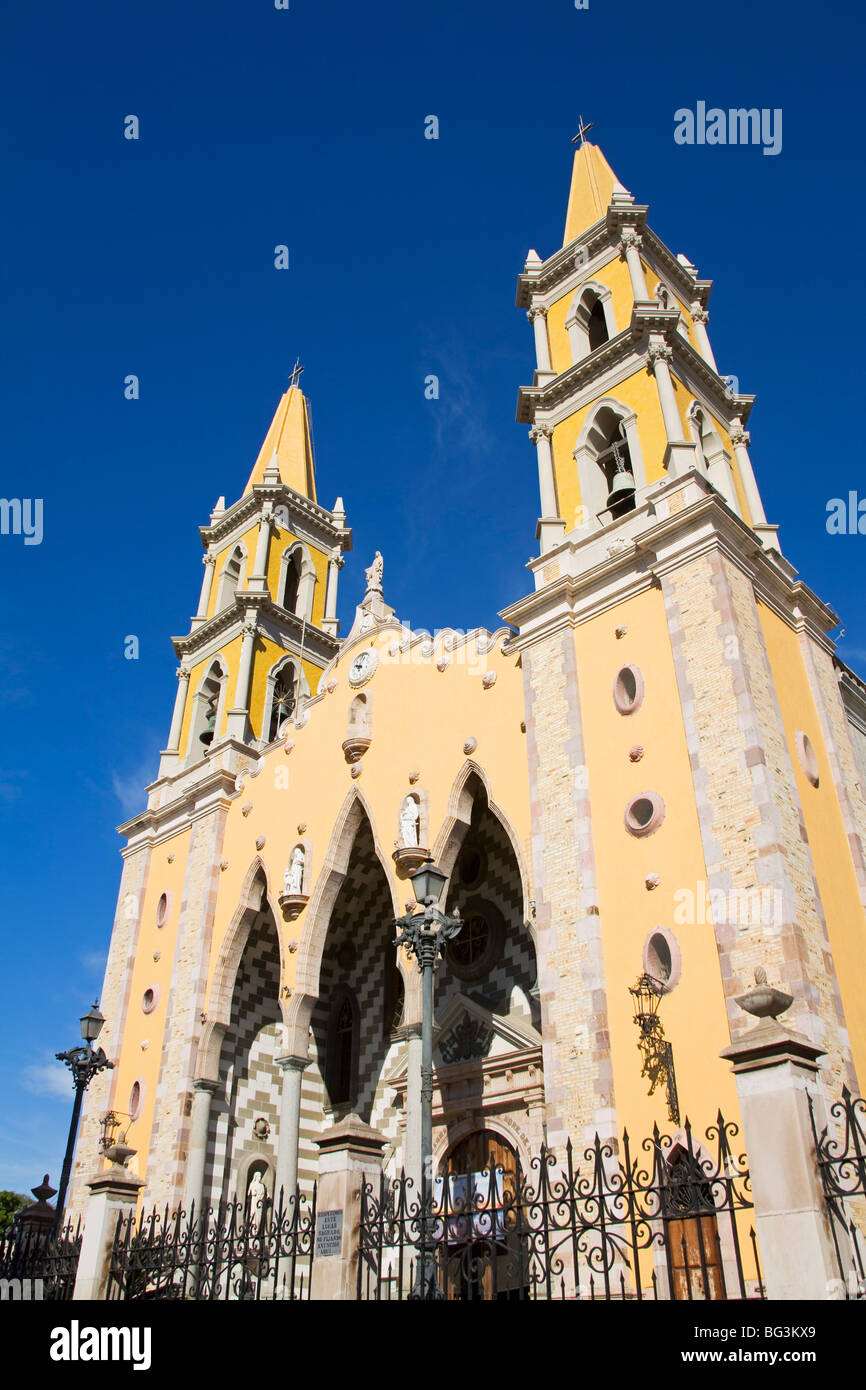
209, 562
169, 754
238, 717
629, 249
290, 1125
740, 439
113, 1193
330, 622
700, 318
551, 527
202, 1099
349, 1154
680, 454
537, 316
777, 1071
258, 580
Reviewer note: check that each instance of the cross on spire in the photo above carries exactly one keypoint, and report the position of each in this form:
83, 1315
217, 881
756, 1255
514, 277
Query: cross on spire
296, 372
582, 131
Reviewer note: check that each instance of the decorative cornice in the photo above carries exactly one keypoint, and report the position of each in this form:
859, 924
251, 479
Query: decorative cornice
318, 642
318, 520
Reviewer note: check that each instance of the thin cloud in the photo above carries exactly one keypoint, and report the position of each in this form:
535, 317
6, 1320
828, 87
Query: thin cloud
48, 1078
129, 787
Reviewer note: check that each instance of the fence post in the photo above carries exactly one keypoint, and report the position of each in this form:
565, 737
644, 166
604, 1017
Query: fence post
777, 1071
350, 1153
113, 1192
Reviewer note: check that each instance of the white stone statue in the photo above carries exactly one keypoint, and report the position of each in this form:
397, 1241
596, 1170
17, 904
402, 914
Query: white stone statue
374, 574
256, 1192
409, 817
293, 878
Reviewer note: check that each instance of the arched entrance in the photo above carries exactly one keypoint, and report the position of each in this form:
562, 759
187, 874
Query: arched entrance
482, 1254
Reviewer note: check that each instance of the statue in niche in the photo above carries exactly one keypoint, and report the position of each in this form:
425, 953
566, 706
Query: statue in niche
409, 818
374, 574
293, 878
257, 1193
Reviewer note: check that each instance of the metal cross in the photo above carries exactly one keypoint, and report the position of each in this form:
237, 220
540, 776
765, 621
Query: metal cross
296, 372
582, 132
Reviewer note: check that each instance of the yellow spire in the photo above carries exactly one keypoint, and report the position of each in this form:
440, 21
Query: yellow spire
288, 446
592, 185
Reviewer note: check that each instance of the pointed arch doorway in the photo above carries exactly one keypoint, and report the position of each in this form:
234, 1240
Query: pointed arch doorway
482, 1251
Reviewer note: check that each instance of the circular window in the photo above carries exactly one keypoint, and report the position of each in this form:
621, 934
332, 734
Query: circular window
150, 999
806, 754
473, 866
477, 948
162, 910
644, 814
628, 689
661, 957
136, 1099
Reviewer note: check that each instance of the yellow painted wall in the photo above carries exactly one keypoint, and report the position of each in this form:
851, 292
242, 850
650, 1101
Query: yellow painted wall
629, 911
250, 540
615, 276
834, 869
281, 541
135, 1061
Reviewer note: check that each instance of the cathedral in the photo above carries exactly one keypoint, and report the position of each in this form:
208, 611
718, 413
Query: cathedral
652, 771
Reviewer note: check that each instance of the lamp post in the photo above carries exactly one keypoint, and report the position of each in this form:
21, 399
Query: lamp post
425, 935
84, 1063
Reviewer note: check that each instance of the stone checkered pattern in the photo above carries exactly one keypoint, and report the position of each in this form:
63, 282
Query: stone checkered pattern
501, 886
248, 1064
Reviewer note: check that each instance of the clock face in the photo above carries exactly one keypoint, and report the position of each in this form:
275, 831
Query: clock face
362, 668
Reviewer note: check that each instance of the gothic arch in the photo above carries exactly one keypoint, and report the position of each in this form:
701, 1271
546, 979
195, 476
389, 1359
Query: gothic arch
208, 704
593, 440
503, 1125
331, 877
712, 454
298, 554
577, 320
454, 828
302, 690
219, 1004
231, 576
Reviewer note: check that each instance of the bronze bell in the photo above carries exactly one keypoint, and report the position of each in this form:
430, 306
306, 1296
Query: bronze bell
621, 496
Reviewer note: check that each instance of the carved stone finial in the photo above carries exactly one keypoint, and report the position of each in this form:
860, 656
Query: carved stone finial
764, 1001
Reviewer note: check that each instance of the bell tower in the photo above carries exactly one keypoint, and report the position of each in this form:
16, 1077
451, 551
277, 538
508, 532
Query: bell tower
687, 747
266, 623
626, 391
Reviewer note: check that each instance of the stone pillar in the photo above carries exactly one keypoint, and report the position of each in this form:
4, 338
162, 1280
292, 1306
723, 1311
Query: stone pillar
290, 1125
350, 1153
551, 527
330, 622
537, 316
258, 580
202, 1099
238, 717
209, 562
740, 439
777, 1071
680, 454
113, 1193
700, 318
169, 755
629, 248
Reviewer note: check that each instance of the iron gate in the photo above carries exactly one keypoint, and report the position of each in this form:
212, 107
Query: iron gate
664, 1223
842, 1165
235, 1251
46, 1258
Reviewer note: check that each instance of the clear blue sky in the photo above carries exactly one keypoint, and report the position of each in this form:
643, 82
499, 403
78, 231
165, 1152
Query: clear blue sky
261, 126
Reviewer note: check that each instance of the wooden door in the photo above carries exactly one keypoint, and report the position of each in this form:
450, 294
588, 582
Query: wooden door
696, 1258
479, 1255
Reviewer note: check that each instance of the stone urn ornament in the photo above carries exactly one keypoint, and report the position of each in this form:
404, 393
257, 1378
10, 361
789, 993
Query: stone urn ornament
764, 1001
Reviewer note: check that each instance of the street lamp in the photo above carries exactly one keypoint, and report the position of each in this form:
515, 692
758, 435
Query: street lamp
656, 1051
425, 935
84, 1063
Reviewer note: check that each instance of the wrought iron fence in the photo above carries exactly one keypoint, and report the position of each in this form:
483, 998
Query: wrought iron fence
39, 1262
236, 1251
664, 1223
842, 1165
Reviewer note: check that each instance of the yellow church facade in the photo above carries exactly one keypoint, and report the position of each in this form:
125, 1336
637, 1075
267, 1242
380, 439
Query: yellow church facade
654, 768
